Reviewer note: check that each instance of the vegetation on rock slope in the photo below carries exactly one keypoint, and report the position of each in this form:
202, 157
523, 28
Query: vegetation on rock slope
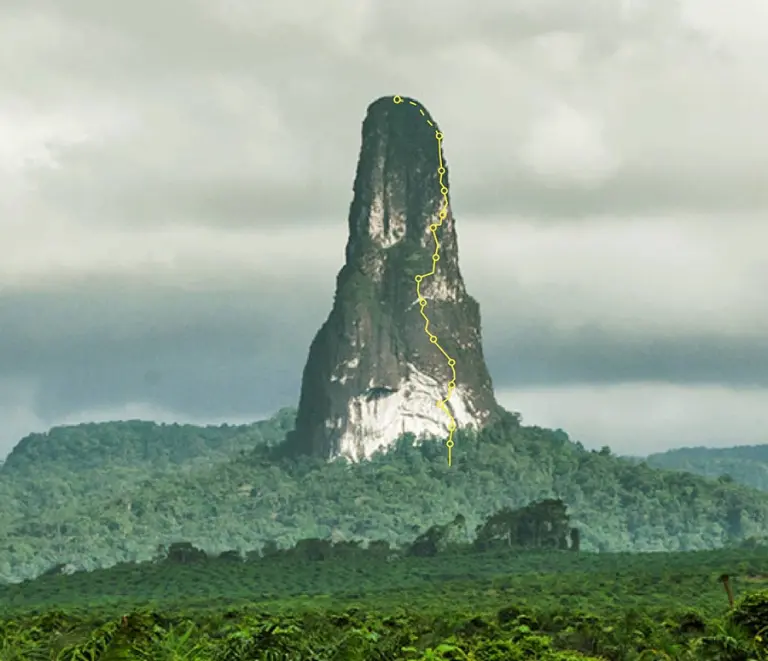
118, 490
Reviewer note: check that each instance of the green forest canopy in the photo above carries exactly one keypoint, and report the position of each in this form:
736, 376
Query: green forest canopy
102, 493
745, 464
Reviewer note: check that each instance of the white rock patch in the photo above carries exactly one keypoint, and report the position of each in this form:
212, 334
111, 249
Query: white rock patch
372, 423
384, 237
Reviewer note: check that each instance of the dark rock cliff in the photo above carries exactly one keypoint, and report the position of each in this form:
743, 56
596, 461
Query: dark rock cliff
372, 373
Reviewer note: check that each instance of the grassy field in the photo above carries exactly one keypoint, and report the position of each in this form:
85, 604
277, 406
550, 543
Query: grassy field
499, 605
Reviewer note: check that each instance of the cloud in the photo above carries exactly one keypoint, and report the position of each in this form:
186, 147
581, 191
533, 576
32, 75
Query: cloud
176, 179
647, 95
641, 418
191, 321
565, 147
635, 276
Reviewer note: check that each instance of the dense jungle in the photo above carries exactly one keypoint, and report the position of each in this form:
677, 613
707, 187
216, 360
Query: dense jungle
132, 540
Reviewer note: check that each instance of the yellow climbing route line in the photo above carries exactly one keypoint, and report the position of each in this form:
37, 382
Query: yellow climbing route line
442, 404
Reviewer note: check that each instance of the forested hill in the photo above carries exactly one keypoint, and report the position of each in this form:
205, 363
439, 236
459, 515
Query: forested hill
745, 464
137, 443
101, 499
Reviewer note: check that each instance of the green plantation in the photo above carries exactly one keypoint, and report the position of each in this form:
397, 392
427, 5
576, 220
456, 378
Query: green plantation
355, 603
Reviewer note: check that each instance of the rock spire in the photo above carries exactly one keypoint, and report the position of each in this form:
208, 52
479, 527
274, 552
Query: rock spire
372, 373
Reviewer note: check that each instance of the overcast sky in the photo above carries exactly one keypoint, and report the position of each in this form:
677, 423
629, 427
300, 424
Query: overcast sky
176, 177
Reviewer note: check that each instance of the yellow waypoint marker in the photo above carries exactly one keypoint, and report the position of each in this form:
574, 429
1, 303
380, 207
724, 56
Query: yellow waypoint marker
435, 259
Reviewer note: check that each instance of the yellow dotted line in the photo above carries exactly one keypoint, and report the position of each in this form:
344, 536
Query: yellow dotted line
435, 259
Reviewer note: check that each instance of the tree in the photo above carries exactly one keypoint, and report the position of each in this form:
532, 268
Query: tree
543, 524
184, 553
426, 544
575, 539
230, 556
313, 549
269, 549
500, 526
379, 547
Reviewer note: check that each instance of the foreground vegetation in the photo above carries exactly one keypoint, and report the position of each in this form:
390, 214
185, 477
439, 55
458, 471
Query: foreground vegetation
500, 604
93, 495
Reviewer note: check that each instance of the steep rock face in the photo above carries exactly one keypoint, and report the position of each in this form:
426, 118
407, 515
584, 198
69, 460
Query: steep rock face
372, 373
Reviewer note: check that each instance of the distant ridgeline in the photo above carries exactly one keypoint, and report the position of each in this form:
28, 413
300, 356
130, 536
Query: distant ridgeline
133, 443
98, 494
745, 464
